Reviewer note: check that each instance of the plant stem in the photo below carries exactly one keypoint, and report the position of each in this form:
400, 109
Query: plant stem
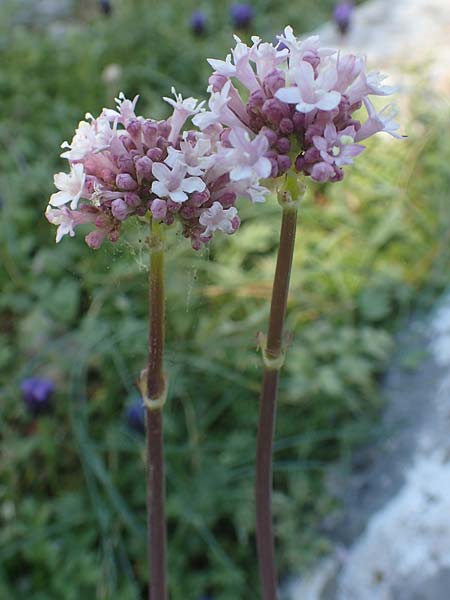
156, 390
273, 353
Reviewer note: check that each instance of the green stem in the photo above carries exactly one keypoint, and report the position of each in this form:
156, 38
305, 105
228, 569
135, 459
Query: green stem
156, 390
273, 353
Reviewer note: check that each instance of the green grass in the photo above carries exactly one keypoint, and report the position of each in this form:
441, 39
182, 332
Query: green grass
72, 491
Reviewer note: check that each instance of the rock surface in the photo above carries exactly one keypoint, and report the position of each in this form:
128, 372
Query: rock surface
409, 37
396, 525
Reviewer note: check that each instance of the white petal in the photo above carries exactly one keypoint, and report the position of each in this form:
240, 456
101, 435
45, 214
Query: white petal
160, 189
193, 184
329, 101
60, 198
160, 171
305, 107
289, 95
242, 172
178, 196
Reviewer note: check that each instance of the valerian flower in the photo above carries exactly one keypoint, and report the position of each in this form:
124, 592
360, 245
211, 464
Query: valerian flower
303, 99
124, 165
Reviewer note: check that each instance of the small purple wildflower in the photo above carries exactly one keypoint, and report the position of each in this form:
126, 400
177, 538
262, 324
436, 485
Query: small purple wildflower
199, 22
242, 15
343, 16
37, 393
135, 417
105, 7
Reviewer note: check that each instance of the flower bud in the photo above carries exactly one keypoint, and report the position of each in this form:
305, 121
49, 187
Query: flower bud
125, 182
144, 168
159, 209
217, 82
242, 15
135, 417
132, 199
134, 128
155, 154
199, 23
119, 209
37, 394
284, 145
286, 126
273, 82
199, 198
322, 172
126, 164
284, 163
342, 16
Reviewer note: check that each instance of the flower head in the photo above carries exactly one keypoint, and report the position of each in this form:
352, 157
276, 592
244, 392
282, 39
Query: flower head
242, 15
302, 98
37, 394
123, 165
342, 16
135, 416
198, 22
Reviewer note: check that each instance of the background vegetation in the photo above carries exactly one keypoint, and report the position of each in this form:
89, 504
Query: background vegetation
72, 493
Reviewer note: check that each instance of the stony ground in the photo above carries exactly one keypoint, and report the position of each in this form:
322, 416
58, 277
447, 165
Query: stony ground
393, 537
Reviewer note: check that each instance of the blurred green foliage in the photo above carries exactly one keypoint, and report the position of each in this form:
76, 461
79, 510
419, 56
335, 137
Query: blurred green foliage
72, 490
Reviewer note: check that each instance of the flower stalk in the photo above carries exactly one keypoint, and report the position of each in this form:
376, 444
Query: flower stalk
273, 351
155, 383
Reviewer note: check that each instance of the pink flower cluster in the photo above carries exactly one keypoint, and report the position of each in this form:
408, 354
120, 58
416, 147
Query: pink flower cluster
271, 110
124, 165
302, 99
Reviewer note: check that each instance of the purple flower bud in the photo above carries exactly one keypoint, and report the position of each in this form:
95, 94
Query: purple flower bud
299, 122
150, 132
343, 16
274, 110
322, 172
312, 155
159, 209
135, 417
284, 163
126, 164
217, 82
132, 199
188, 212
134, 127
95, 238
199, 22
227, 199
242, 15
199, 198
162, 143
270, 135
256, 101
37, 394
300, 163
119, 209
286, 126
284, 145
273, 82
144, 168
108, 177
164, 129
125, 182
155, 154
